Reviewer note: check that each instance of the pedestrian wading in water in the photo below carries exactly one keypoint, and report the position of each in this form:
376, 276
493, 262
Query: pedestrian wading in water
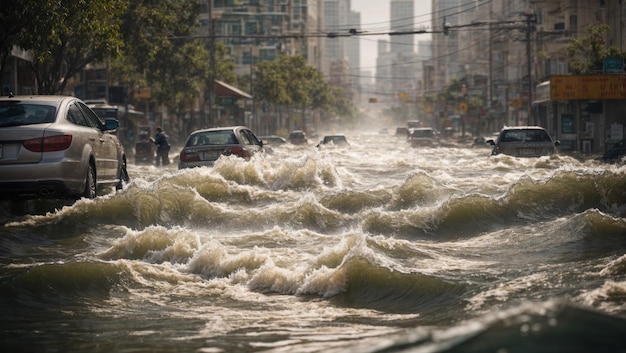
163, 147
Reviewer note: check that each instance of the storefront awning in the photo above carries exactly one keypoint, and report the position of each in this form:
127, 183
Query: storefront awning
222, 89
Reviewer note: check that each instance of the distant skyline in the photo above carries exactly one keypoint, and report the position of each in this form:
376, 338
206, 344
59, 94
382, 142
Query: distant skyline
375, 18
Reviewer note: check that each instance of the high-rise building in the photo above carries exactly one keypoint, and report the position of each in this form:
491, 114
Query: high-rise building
340, 19
402, 20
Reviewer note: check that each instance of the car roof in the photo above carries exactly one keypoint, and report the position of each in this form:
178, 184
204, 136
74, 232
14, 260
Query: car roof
41, 99
224, 128
524, 127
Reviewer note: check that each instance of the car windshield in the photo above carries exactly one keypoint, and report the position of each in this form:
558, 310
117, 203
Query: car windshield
335, 139
525, 136
220, 137
422, 133
16, 114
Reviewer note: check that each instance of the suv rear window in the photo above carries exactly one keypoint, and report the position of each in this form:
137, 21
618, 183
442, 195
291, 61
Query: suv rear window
217, 137
14, 113
422, 133
525, 135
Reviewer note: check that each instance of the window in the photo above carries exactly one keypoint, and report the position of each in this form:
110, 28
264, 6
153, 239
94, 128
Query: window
267, 54
573, 25
75, 116
251, 28
91, 117
246, 57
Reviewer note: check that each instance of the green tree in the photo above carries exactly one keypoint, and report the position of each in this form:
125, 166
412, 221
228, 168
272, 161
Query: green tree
163, 53
14, 14
65, 36
587, 53
290, 81
160, 52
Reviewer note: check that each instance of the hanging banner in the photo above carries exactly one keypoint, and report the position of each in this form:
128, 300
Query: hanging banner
599, 87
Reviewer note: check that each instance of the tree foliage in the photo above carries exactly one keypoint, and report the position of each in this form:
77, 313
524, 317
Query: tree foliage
290, 81
65, 36
13, 15
162, 53
587, 53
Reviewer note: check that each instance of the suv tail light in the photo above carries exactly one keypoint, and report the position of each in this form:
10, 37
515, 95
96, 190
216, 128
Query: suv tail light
189, 156
240, 152
48, 144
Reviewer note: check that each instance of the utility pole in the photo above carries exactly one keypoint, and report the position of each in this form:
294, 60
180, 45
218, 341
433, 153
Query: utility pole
211, 65
530, 20
490, 75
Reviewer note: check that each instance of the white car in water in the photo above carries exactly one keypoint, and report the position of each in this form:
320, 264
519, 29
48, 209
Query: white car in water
57, 147
524, 141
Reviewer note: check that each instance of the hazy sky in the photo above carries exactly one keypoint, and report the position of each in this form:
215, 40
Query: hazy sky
375, 18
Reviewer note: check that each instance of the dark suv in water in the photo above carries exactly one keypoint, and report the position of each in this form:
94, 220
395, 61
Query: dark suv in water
616, 149
298, 137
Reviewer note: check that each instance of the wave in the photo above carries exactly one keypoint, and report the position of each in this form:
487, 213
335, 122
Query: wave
552, 326
354, 272
238, 195
526, 201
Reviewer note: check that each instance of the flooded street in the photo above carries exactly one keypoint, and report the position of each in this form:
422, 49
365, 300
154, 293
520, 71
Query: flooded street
373, 247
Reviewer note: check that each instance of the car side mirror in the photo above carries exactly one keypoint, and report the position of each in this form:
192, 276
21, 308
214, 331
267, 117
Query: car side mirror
557, 143
111, 124
491, 142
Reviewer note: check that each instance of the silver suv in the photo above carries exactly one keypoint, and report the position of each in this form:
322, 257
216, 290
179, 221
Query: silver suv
524, 141
56, 147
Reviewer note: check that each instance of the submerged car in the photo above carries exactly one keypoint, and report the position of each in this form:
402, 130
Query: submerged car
402, 132
524, 141
337, 140
273, 140
145, 151
204, 147
57, 147
616, 150
422, 136
298, 137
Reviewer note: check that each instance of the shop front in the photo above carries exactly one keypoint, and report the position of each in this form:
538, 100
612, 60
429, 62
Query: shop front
585, 112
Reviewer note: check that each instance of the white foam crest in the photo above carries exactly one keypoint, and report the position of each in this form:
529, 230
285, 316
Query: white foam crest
615, 267
271, 278
505, 290
304, 171
155, 244
608, 297
214, 260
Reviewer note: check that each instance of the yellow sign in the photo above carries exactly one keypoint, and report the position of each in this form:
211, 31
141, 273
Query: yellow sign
144, 93
599, 87
463, 107
516, 103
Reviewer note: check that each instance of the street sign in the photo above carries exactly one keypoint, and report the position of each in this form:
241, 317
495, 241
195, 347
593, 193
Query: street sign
227, 100
613, 66
516, 103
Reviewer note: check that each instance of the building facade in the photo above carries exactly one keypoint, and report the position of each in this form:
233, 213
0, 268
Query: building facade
510, 55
